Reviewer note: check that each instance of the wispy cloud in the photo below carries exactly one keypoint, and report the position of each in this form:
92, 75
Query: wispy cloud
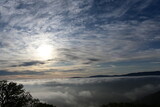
80, 32
31, 63
5, 72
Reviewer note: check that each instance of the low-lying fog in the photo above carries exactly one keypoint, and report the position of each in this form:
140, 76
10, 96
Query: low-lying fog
90, 92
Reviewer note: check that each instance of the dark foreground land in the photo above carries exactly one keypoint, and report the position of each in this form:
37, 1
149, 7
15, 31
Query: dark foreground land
14, 95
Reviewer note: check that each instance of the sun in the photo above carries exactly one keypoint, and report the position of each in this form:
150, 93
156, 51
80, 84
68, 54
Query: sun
44, 52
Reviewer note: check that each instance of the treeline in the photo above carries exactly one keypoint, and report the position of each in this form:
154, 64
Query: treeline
14, 95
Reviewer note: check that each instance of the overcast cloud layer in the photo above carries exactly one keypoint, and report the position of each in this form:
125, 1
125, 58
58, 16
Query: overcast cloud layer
91, 92
94, 35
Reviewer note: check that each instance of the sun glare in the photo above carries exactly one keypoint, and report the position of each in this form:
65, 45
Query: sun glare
45, 52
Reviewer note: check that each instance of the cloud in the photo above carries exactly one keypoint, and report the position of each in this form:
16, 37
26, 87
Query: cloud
73, 70
80, 32
30, 63
91, 92
139, 92
5, 73
85, 94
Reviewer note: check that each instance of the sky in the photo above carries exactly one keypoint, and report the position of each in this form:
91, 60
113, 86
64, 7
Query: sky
66, 38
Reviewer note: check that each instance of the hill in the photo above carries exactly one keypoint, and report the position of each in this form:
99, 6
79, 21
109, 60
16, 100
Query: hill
152, 73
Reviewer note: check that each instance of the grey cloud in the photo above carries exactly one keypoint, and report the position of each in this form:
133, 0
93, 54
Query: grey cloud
93, 59
77, 55
39, 72
139, 91
70, 70
85, 92
73, 70
77, 28
9, 73
71, 56
30, 63
30, 72
1, 45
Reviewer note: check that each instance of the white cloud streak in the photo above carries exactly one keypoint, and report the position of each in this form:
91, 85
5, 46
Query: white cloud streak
72, 28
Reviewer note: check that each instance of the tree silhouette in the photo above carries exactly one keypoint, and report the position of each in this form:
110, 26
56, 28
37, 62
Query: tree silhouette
14, 95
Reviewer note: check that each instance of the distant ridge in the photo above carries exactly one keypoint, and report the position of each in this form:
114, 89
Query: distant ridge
149, 73
143, 73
